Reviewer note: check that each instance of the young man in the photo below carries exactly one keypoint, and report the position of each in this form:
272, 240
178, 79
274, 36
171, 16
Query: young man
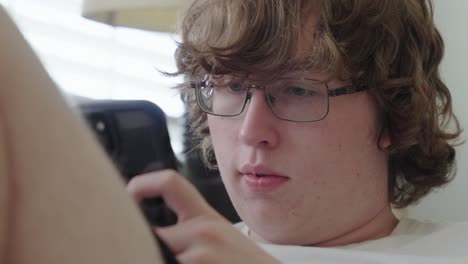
58, 197
322, 116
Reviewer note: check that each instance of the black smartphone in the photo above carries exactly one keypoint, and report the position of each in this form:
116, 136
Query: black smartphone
135, 136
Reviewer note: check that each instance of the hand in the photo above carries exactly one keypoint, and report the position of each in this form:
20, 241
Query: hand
201, 235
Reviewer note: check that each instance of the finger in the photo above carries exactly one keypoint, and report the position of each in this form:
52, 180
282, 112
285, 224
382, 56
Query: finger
198, 231
179, 194
198, 255
143, 186
176, 239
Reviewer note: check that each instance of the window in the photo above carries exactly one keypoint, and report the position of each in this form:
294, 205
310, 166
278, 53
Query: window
92, 60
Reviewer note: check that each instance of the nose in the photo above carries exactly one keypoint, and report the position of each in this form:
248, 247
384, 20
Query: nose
259, 126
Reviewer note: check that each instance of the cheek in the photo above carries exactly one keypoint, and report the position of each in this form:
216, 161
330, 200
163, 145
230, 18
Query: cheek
222, 137
225, 146
344, 145
220, 130
354, 124
353, 136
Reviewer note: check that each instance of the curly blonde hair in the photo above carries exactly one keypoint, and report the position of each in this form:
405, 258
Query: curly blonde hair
391, 46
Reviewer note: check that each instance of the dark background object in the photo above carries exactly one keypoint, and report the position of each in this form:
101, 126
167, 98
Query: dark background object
135, 136
133, 133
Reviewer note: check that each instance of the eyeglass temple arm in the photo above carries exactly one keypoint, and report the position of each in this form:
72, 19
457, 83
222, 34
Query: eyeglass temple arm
347, 90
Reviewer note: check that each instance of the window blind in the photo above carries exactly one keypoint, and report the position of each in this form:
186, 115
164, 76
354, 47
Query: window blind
90, 59
96, 61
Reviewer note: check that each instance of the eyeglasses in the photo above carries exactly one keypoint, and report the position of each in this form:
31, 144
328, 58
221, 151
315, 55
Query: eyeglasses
289, 99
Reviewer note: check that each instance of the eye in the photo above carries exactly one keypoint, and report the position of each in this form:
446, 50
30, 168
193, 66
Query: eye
226, 84
299, 91
236, 87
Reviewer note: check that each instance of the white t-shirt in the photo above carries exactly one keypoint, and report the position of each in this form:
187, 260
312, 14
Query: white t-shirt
411, 241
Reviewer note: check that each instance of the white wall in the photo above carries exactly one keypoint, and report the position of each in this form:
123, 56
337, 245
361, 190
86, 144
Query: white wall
451, 203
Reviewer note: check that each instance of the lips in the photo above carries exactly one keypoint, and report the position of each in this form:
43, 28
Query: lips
261, 179
259, 169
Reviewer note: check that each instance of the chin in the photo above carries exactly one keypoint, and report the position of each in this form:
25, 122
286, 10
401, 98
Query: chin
278, 235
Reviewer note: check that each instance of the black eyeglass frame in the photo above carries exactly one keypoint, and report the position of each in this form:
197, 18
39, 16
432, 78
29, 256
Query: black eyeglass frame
350, 89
